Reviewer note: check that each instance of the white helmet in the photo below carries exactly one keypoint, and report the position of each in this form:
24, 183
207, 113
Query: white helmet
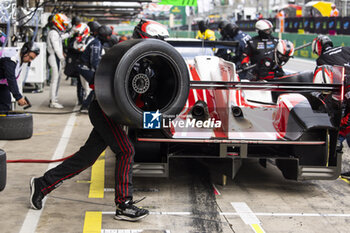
82, 31
264, 25
284, 50
323, 74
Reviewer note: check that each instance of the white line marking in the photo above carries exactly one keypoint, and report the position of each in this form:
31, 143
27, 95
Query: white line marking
33, 216
245, 213
156, 213
256, 214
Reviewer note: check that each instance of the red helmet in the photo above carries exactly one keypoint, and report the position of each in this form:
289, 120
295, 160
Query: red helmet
82, 31
61, 21
150, 29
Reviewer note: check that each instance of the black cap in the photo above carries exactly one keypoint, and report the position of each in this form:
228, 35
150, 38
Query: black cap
94, 25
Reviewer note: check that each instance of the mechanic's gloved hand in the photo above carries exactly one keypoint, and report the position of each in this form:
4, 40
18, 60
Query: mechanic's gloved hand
251, 77
244, 66
63, 63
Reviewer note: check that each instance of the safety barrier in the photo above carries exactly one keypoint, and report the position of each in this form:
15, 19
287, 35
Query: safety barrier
297, 39
319, 25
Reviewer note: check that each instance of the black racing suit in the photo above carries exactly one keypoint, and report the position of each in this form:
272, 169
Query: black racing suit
90, 59
260, 51
106, 132
340, 56
8, 73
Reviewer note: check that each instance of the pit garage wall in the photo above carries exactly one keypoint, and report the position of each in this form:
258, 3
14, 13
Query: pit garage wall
297, 39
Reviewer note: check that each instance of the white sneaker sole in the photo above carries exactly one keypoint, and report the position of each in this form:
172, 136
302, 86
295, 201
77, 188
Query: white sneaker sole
32, 191
126, 218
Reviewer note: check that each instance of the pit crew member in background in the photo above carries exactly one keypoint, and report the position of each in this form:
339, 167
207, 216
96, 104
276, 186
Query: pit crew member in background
76, 46
106, 132
90, 59
56, 57
235, 55
10, 69
334, 11
329, 55
221, 26
94, 25
204, 32
260, 51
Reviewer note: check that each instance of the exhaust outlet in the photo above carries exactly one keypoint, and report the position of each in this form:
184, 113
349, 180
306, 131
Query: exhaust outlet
237, 111
200, 111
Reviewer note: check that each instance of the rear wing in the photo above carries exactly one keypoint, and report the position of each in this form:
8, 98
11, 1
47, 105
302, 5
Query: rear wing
195, 43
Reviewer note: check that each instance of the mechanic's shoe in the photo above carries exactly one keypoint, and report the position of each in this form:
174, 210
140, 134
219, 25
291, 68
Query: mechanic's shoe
56, 105
129, 212
36, 196
346, 175
84, 109
339, 146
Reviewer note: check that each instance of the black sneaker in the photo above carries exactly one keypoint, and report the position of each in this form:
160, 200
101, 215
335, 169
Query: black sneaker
129, 212
346, 175
36, 196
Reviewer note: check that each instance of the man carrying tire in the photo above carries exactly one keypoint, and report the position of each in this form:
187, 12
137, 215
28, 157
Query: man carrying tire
106, 132
10, 69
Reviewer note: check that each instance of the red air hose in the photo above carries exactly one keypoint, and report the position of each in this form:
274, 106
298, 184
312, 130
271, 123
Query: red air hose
38, 160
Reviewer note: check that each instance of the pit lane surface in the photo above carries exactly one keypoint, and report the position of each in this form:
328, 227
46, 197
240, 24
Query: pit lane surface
191, 200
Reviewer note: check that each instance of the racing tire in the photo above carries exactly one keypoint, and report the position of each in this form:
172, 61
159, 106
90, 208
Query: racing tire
138, 76
14, 126
2, 170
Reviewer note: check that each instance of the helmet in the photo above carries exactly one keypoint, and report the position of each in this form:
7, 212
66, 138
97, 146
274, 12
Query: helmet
222, 24
203, 25
231, 29
323, 74
82, 30
30, 47
104, 32
61, 21
320, 43
94, 25
150, 29
113, 40
284, 50
76, 21
264, 27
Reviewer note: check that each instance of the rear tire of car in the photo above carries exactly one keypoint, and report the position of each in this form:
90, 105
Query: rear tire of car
14, 126
148, 71
2, 170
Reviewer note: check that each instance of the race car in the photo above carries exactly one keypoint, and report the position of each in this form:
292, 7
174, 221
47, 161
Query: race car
178, 100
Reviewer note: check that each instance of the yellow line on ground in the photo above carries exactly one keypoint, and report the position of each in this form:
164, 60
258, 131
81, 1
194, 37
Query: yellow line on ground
97, 185
92, 222
257, 228
345, 180
84, 181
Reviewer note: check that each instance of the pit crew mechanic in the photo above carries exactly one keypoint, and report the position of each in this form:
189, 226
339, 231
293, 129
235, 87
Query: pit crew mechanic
260, 51
105, 133
328, 55
231, 32
90, 59
10, 69
56, 57
204, 32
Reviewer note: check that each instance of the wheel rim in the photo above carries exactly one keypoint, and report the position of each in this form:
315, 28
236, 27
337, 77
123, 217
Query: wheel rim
152, 82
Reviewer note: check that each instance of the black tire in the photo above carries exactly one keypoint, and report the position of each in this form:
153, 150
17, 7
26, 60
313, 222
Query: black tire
15, 126
2, 170
148, 70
